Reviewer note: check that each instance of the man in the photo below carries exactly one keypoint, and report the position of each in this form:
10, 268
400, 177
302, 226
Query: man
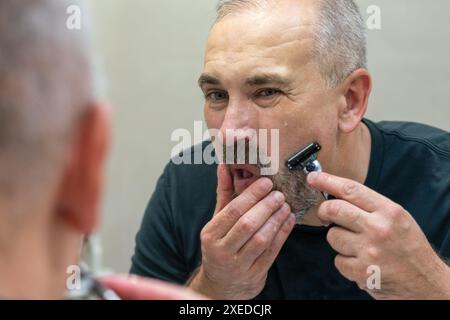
299, 66
54, 135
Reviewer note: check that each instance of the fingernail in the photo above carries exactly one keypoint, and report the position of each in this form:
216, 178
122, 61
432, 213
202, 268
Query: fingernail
312, 177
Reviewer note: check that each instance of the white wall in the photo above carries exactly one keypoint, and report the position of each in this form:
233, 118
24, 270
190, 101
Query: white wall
152, 53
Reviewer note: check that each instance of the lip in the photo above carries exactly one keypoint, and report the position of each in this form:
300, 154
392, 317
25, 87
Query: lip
243, 176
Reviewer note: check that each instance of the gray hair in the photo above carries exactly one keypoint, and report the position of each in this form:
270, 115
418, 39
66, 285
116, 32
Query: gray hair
339, 32
47, 81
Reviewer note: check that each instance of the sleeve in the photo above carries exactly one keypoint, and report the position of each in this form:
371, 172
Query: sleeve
157, 251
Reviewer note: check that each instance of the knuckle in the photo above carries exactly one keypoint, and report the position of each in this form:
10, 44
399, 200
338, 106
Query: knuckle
333, 208
373, 253
350, 188
205, 237
233, 211
396, 212
329, 208
381, 230
246, 225
261, 241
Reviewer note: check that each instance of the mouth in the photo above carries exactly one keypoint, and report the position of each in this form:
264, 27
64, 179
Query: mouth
244, 176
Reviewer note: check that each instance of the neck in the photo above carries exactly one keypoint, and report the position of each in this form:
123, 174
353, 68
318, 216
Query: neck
352, 162
27, 270
353, 157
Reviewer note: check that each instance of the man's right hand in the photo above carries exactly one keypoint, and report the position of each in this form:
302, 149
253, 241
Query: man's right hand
242, 240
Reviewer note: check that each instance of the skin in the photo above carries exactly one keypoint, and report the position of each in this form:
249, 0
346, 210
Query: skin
50, 238
138, 288
245, 235
373, 230
39, 251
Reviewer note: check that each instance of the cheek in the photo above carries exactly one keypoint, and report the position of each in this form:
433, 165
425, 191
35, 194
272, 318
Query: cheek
299, 129
213, 119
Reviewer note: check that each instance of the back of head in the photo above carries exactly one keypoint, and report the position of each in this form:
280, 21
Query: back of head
53, 135
46, 82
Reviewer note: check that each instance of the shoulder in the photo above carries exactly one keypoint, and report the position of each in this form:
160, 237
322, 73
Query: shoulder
415, 166
416, 135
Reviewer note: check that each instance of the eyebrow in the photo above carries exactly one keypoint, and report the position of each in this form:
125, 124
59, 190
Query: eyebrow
266, 78
256, 80
207, 79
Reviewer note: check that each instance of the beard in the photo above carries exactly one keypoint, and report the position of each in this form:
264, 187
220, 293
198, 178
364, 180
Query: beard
298, 194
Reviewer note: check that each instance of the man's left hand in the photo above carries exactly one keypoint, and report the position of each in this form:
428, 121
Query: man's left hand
374, 233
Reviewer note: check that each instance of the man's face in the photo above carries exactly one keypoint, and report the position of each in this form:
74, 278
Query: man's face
259, 74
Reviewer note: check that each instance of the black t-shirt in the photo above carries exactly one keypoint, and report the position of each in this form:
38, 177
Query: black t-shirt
409, 163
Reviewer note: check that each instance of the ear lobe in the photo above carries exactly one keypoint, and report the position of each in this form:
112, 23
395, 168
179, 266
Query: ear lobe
82, 183
357, 88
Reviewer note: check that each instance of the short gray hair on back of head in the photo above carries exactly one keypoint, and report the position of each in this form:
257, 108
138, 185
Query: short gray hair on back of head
339, 32
47, 81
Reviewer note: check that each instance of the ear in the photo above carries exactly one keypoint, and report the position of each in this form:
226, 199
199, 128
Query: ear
356, 90
82, 183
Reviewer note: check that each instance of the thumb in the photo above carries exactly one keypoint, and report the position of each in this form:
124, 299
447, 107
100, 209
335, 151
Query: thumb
225, 189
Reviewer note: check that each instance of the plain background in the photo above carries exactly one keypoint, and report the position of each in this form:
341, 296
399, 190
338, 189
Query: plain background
152, 54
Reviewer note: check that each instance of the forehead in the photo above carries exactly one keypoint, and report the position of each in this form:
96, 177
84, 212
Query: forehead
278, 39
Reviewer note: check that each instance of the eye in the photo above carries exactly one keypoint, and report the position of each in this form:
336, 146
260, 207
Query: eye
217, 96
268, 92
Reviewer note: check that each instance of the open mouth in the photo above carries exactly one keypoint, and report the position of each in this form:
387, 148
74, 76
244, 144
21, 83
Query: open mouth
244, 176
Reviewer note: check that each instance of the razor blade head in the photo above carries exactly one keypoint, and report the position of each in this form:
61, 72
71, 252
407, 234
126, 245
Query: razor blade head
306, 159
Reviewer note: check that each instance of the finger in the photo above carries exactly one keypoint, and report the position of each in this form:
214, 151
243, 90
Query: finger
348, 267
265, 261
343, 214
252, 221
348, 190
225, 219
225, 189
343, 241
264, 237
137, 288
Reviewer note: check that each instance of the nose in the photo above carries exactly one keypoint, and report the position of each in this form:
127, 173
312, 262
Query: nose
239, 122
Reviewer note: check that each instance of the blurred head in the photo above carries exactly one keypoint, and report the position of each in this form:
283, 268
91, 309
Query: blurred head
297, 66
53, 140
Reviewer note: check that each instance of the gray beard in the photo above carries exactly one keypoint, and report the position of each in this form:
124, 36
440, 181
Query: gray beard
299, 195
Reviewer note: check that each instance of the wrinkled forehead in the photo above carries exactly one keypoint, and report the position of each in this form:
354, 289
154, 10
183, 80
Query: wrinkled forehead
281, 38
